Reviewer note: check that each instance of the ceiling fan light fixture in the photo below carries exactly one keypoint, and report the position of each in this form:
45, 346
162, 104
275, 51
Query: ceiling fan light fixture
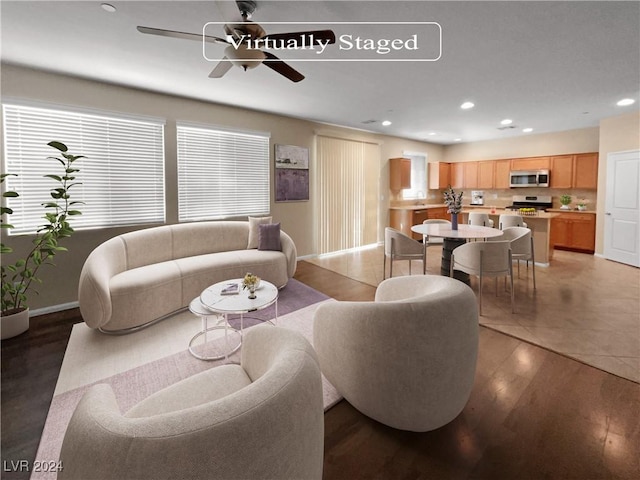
244, 57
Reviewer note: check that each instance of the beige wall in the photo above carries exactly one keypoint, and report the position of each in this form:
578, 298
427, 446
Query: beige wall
583, 140
297, 218
617, 134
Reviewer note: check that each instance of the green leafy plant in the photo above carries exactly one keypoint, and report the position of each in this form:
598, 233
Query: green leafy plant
565, 199
453, 200
19, 277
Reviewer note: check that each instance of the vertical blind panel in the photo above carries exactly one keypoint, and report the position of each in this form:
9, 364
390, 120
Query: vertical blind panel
222, 174
347, 191
121, 179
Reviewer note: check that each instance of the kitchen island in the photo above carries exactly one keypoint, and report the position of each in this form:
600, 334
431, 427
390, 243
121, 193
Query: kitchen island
540, 225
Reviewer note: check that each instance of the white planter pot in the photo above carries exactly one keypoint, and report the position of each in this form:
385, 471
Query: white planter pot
14, 324
565, 207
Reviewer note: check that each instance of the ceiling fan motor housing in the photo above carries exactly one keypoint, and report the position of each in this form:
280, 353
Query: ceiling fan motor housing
246, 7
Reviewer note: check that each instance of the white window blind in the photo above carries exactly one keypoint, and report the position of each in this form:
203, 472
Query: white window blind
221, 173
347, 186
122, 178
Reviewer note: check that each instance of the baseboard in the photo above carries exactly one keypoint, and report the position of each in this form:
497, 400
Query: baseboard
53, 309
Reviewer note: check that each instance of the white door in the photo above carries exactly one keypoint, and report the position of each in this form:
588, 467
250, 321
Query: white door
622, 208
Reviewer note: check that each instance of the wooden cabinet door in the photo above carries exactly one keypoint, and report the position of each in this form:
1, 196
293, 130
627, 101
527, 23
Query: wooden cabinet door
439, 175
486, 174
401, 220
583, 232
560, 232
457, 175
534, 163
501, 173
440, 213
470, 174
561, 171
585, 171
399, 173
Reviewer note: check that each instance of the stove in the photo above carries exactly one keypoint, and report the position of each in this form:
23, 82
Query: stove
539, 202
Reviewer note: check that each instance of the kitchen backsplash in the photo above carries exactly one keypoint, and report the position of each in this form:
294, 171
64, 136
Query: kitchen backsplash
503, 198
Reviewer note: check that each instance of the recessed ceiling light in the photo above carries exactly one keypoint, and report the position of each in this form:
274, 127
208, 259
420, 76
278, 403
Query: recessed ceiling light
625, 102
108, 7
386, 123
432, 134
506, 121
467, 105
527, 130
457, 139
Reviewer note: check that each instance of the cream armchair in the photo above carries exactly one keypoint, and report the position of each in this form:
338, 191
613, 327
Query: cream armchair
408, 359
261, 419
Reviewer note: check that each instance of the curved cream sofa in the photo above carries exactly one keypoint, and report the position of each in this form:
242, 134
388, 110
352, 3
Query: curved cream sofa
137, 278
408, 359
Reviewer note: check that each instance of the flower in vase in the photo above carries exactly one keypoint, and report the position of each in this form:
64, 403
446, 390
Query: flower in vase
453, 200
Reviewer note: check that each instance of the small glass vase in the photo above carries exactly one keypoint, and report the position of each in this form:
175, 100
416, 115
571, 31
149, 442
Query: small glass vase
252, 291
454, 221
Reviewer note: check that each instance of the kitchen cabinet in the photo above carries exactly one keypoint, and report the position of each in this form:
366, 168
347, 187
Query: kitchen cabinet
585, 170
439, 175
574, 231
399, 173
404, 218
574, 171
470, 174
561, 171
457, 175
533, 163
486, 174
501, 174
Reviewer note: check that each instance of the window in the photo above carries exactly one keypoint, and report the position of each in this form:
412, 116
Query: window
221, 173
418, 188
122, 178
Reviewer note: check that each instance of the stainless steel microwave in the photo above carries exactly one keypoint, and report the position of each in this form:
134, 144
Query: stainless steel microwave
529, 178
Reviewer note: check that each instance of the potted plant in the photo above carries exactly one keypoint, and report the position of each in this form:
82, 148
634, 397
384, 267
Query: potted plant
565, 200
19, 277
582, 205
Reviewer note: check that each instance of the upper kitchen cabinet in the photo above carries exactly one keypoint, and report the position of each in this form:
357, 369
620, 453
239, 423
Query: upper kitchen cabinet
585, 170
470, 174
501, 174
574, 171
533, 163
439, 175
399, 173
486, 174
457, 175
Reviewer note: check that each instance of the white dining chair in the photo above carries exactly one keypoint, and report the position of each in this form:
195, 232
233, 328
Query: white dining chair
398, 246
507, 220
484, 259
521, 240
481, 219
429, 241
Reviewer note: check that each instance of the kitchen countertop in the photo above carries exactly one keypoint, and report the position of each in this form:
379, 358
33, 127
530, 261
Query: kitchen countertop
540, 214
417, 207
559, 210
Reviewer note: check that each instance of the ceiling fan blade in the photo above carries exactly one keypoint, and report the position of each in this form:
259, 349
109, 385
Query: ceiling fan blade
274, 63
183, 35
221, 68
318, 35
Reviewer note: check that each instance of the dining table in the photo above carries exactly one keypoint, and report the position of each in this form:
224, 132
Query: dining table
452, 239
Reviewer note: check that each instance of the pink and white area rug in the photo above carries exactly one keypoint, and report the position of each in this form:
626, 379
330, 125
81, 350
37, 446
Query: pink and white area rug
141, 363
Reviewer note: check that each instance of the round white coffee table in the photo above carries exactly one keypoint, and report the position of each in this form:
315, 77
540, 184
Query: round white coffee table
216, 303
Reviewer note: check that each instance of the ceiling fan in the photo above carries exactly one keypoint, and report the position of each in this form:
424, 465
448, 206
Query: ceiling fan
244, 38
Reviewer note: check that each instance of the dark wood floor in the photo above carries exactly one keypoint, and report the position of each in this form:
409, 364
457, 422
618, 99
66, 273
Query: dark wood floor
533, 414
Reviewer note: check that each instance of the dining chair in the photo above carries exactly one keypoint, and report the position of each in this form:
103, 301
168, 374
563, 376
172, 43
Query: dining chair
428, 241
521, 240
507, 220
481, 219
398, 246
484, 259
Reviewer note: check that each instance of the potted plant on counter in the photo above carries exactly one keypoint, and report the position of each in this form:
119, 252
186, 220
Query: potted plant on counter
565, 200
19, 277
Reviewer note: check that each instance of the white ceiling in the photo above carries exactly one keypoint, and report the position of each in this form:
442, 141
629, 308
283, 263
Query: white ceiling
550, 66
